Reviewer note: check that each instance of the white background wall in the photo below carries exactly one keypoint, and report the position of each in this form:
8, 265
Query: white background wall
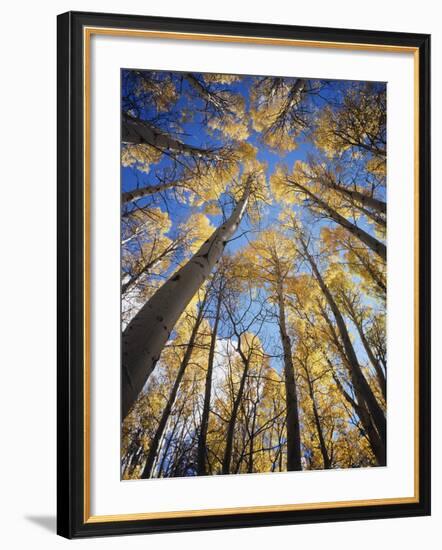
28, 237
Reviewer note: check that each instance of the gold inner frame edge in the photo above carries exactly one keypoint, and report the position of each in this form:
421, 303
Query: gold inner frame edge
134, 33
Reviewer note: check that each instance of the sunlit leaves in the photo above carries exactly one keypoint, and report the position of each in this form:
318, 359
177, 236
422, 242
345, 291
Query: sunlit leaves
139, 156
221, 78
279, 111
357, 122
159, 89
197, 229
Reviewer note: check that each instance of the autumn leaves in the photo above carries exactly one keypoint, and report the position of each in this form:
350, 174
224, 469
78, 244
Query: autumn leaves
253, 290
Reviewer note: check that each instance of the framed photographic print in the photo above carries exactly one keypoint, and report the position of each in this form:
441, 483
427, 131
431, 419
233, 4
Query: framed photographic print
243, 246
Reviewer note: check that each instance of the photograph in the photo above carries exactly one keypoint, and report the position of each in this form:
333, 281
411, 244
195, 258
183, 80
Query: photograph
253, 274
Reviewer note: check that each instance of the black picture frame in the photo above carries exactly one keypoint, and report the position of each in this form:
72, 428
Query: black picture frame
71, 513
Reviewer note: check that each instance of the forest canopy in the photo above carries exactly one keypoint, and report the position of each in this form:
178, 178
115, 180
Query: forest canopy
253, 284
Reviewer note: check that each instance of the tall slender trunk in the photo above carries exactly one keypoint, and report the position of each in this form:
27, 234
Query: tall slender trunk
360, 409
147, 267
130, 459
206, 94
165, 452
153, 449
135, 234
293, 99
202, 441
280, 453
252, 440
375, 276
382, 382
376, 246
359, 381
375, 217
144, 337
292, 415
379, 152
233, 417
325, 458
179, 454
125, 287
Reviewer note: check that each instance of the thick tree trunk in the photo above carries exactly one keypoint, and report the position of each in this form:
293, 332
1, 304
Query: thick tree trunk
136, 194
376, 246
202, 441
364, 200
359, 381
144, 337
292, 416
136, 131
154, 445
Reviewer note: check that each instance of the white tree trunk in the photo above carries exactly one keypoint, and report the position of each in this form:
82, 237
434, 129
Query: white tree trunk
145, 336
136, 131
136, 194
206, 94
376, 246
363, 199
